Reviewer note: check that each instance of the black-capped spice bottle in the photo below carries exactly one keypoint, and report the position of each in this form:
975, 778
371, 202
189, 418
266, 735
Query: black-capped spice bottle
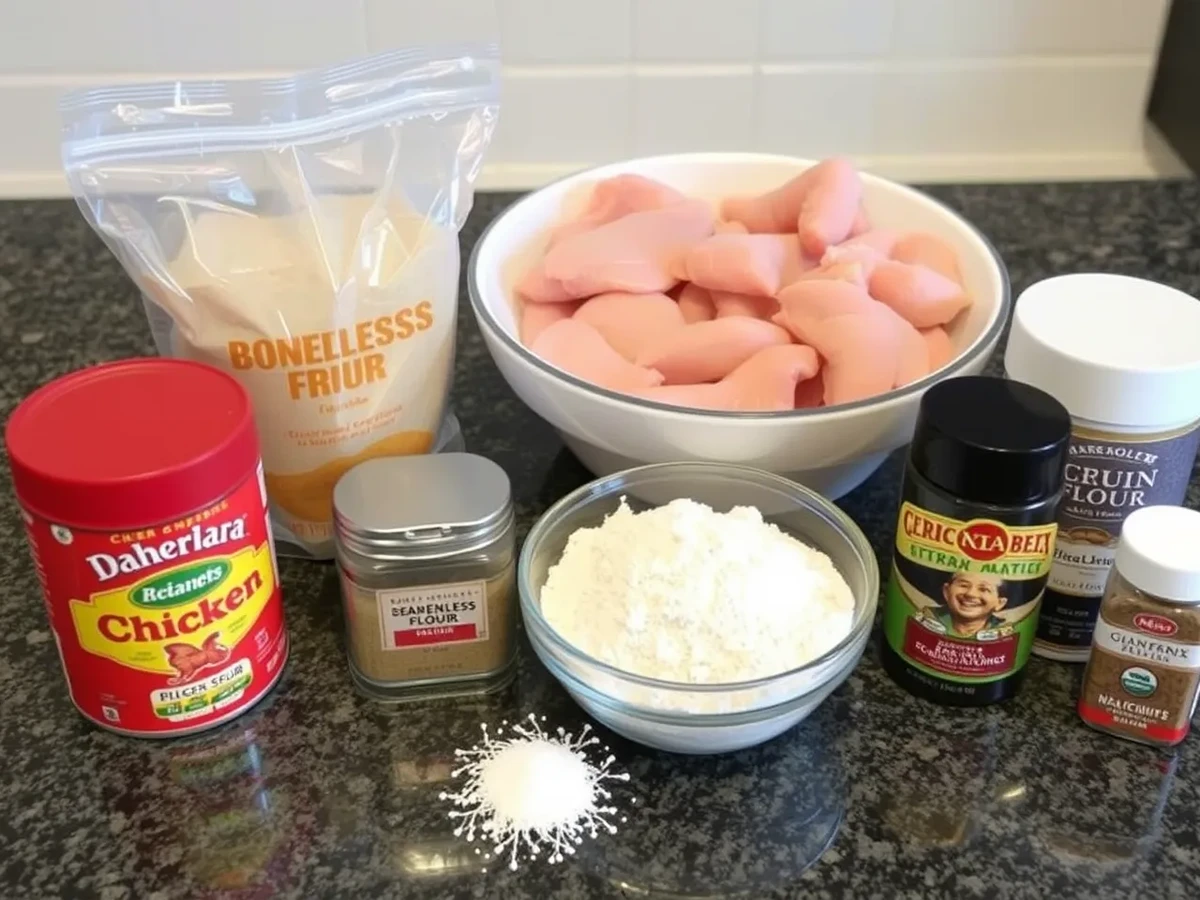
974, 539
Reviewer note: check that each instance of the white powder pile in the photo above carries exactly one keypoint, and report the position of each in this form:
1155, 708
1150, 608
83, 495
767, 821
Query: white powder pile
685, 594
531, 791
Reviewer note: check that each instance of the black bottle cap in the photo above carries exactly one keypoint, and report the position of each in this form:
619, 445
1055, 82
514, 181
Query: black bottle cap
991, 440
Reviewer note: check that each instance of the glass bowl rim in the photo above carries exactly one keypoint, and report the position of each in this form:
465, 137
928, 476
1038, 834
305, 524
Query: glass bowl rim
750, 715
865, 607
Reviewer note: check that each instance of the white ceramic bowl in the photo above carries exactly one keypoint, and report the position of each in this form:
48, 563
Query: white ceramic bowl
830, 449
691, 718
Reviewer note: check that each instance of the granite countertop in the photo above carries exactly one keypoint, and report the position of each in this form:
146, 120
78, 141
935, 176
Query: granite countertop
319, 794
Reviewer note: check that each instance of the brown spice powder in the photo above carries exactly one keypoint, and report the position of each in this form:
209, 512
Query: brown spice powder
1143, 677
432, 662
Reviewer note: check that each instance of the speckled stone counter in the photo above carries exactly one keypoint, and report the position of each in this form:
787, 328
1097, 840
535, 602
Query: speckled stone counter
318, 794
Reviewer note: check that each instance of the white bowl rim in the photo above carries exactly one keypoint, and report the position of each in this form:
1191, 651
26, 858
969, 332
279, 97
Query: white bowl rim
982, 344
864, 617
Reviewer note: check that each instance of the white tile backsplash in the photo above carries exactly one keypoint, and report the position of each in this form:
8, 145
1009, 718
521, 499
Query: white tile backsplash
796, 30
233, 35
676, 112
966, 28
816, 113
695, 30
976, 82
33, 37
399, 23
590, 116
565, 31
36, 108
983, 109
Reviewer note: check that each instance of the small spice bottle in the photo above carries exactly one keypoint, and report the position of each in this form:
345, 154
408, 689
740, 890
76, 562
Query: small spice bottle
425, 547
1143, 676
1121, 355
974, 539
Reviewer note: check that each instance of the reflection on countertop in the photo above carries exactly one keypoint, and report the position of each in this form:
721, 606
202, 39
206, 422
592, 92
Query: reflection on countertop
319, 794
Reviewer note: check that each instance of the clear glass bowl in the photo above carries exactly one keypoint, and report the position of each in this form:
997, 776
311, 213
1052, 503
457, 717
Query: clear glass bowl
699, 718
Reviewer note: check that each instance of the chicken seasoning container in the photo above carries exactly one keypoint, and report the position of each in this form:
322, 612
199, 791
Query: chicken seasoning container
426, 552
974, 539
1143, 676
1122, 356
142, 494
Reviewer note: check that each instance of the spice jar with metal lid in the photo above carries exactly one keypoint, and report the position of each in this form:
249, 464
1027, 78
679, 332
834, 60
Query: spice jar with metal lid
974, 539
426, 552
1143, 676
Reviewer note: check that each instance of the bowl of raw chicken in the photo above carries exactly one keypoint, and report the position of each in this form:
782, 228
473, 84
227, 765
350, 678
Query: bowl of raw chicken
772, 311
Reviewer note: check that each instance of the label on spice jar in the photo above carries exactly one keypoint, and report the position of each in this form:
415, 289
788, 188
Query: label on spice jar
1108, 476
962, 601
171, 628
1142, 679
433, 614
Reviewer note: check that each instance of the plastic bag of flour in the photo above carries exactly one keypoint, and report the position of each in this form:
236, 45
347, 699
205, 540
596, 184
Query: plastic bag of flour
301, 234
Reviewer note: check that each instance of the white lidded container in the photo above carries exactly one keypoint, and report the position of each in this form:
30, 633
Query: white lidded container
1122, 354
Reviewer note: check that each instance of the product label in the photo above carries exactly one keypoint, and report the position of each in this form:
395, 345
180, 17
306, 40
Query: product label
170, 626
1139, 682
963, 597
1107, 477
430, 615
217, 691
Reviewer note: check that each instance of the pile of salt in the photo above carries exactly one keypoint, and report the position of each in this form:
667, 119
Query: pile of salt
533, 790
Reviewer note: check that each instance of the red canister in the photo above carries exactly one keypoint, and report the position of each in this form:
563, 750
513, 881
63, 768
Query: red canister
142, 494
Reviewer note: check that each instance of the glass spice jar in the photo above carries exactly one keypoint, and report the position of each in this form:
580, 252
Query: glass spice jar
426, 553
1143, 676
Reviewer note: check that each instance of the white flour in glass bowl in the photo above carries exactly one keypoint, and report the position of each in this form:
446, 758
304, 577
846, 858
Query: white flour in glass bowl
684, 594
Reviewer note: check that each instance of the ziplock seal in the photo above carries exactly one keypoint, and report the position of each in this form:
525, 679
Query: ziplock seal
161, 118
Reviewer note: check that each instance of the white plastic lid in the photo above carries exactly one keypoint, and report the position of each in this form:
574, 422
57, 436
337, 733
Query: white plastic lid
1112, 349
1159, 552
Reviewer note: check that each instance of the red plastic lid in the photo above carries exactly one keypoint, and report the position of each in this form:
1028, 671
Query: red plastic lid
131, 443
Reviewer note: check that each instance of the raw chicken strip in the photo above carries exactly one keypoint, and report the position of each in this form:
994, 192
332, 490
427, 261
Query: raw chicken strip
536, 287
868, 248
867, 348
821, 204
696, 304
576, 347
708, 351
810, 393
628, 322
862, 222
728, 304
937, 342
830, 206
636, 253
795, 263
775, 211
766, 382
917, 293
615, 197
694, 396
537, 317
737, 263
853, 272
929, 250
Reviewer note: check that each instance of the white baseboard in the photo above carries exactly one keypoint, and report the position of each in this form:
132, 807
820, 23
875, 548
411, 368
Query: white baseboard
958, 168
